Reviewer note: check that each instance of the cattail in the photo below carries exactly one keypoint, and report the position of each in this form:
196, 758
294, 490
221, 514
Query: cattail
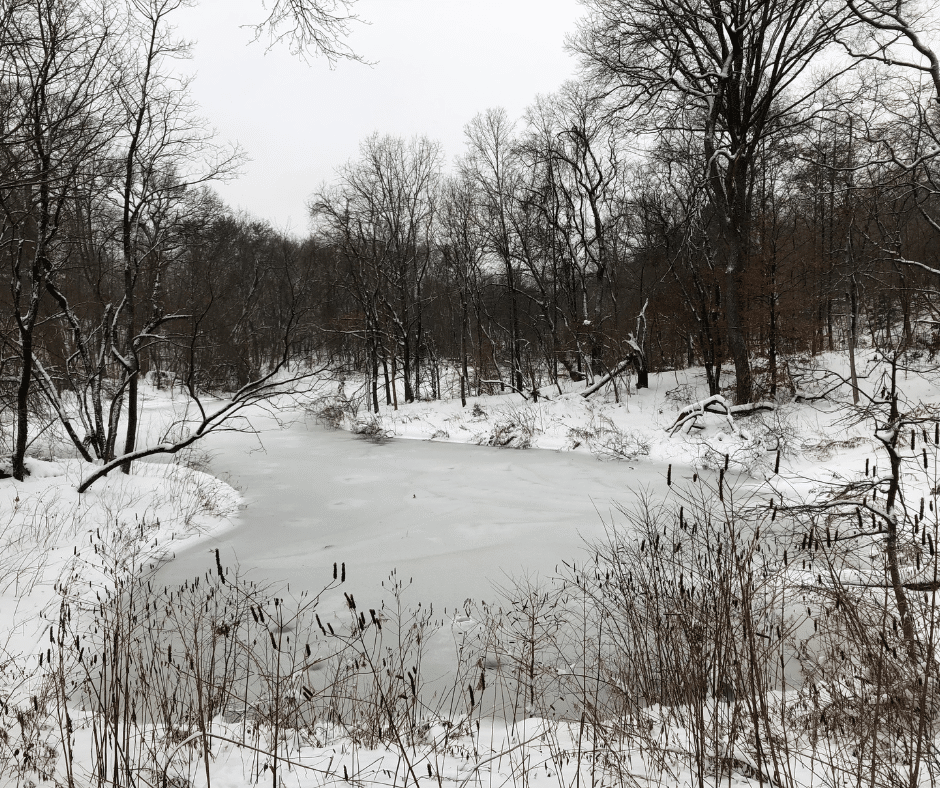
924, 451
930, 543
777, 462
334, 570
726, 461
913, 446
858, 513
786, 560
669, 476
694, 477
866, 467
922, 506
472, 698
342, 578
828, 539
936, 434
721, 484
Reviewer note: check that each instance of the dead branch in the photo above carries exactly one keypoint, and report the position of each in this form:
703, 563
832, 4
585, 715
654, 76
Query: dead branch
718, 405
601, 382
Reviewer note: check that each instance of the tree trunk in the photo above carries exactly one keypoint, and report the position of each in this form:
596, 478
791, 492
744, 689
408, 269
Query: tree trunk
22, 402
853, 335
464, 329
130, 440
737, 342
772, 334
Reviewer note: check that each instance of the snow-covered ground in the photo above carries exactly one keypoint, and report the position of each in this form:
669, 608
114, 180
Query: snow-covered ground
58, 545
450, 522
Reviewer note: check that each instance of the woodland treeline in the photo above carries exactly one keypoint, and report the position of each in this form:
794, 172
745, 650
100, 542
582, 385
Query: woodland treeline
727, 184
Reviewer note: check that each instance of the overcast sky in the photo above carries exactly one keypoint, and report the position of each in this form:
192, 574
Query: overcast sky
437, 63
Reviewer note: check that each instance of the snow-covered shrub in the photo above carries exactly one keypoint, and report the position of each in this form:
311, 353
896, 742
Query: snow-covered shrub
371, 428
740, 451
611, 443
822, 448
607, 441
514, 428
333, 412
506, 433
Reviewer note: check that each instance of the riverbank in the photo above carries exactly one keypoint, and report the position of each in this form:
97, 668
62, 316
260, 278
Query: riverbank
299, 641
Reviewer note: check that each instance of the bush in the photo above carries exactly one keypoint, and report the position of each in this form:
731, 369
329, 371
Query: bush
370, 428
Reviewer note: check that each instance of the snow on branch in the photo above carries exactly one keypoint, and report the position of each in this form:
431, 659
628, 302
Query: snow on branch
259, 391
601, 382
716, 404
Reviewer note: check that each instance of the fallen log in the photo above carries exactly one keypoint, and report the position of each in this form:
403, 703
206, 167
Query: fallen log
601, 382
719, 406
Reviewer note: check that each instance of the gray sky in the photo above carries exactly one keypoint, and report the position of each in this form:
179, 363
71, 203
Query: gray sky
437, 63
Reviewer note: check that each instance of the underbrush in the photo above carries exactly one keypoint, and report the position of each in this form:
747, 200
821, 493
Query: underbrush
720, 634
607, 441
697, 643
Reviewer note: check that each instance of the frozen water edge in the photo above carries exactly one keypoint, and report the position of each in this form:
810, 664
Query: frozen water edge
458, 520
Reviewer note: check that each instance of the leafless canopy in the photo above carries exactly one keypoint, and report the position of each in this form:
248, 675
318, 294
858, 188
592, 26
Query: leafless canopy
309, 27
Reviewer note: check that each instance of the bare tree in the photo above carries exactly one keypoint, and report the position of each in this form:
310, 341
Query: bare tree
491, 164
310, 27
733, 73
56, 69
462, 249
382, 217
165, 150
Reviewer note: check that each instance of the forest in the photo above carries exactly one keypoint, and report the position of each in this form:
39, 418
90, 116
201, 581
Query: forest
723, 186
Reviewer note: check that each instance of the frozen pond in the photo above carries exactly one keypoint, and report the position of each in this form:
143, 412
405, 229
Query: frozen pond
458, 519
